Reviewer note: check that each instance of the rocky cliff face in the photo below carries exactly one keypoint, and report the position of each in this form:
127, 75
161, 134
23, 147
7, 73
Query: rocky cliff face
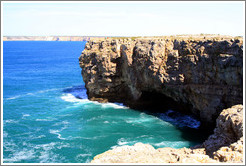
202, 75
225, 145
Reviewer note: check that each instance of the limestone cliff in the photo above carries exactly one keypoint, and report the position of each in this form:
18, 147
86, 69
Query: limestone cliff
204, 76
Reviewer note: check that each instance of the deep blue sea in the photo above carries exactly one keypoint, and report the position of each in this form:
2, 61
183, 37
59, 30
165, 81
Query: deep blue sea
47, 117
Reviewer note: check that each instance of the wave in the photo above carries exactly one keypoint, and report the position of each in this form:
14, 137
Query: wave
73, 99
37, 137
65, 122
140, 120
123, 142
171, 144
42, 151
114, 105
77, 91
32, 94
56, 132
80, 157
46, 120
25, 115
25, 154
10, 121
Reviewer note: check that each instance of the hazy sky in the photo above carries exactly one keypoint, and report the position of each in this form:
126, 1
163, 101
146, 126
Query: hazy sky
123, 18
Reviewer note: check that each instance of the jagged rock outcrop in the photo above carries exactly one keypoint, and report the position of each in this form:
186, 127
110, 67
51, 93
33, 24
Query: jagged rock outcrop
225, 145
228, 132
205, 75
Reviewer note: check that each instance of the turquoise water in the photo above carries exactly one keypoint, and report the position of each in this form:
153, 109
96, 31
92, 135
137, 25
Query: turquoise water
48, 118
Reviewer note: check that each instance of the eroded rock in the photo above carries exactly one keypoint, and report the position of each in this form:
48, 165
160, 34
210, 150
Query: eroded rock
204, 75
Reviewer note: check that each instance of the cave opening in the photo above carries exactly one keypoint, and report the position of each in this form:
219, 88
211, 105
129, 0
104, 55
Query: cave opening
154, 102
177, 113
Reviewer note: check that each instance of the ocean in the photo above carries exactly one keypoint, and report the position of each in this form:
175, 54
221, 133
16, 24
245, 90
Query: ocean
47, 117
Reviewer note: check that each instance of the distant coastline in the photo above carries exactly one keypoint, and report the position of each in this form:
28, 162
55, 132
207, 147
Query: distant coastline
86, 38
49, 38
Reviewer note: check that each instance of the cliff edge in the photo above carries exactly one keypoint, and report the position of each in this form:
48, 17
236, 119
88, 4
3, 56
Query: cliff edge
203, 76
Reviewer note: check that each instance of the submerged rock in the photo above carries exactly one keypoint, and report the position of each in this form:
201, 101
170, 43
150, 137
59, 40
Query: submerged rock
216, 149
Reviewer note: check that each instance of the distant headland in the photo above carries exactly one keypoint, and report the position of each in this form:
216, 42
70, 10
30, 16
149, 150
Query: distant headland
87, 38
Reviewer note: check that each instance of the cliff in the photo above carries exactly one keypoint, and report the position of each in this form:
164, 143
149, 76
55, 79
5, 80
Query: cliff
202, 76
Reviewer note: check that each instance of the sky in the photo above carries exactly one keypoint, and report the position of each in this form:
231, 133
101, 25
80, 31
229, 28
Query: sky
122, 18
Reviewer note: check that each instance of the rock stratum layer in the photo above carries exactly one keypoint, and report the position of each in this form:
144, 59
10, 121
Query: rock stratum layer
204, 76
225, 145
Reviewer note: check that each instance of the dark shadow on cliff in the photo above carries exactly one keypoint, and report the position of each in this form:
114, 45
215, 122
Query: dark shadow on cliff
177, 113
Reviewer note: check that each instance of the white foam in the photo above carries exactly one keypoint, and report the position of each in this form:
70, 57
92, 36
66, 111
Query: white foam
46, 155
63, 146
10, 146
114, 105
10, 121
11, 98
25, 115
21, 155
139, 120
37, 137
56, 132
31, 94
65, 122
123, 141
83, 155
95, 118
80, 157
71, 98
172, 144
44, 119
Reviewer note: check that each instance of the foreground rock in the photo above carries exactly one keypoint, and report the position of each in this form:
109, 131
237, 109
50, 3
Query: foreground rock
144, 153
203, 76
225, 145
